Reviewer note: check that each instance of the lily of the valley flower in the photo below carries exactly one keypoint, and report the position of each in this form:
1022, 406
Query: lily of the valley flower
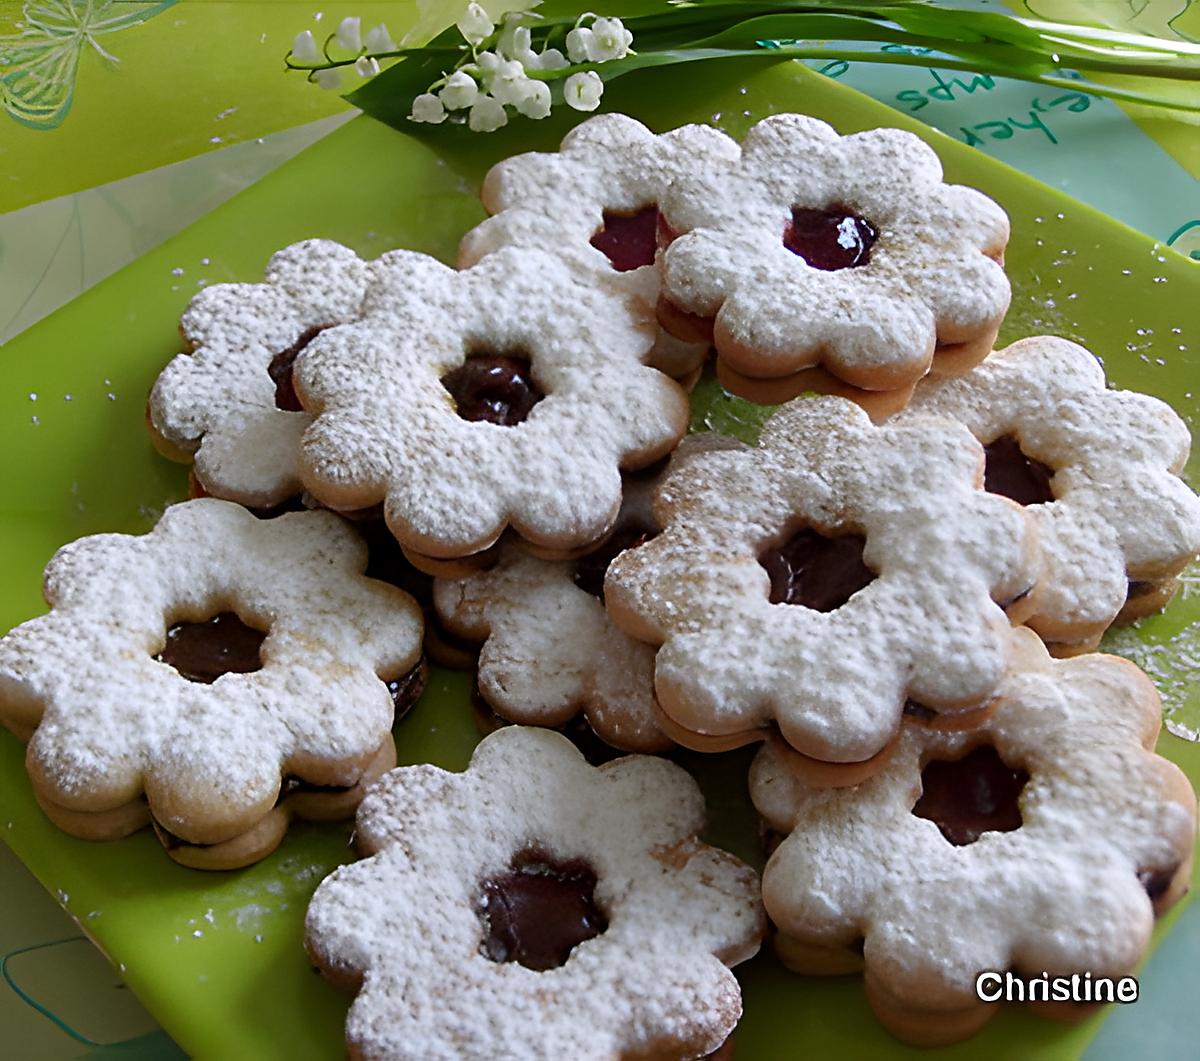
304, 48
487, 115
379, 40
367, 66
329, 80
349, 35
475, 25
583, 91
535, 99
428, 108
459, 92
609, 40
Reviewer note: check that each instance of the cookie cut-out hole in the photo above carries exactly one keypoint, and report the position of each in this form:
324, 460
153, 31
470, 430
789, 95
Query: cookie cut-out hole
815, 570
968, 797
539, 911
829, 239
628, 240
1010, 472
591, 569
492, 387
202, 652
280, 371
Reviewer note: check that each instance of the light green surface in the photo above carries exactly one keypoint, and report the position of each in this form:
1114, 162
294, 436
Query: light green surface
200, 75
216, 958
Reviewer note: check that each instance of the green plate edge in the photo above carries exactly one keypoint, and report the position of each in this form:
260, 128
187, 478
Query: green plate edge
216, 958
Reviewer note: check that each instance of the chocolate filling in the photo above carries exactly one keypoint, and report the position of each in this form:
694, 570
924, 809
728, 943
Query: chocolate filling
280, 371
628, 240
591, 569
539, 911
816, 571
919, 711
202, 652
1157, 881
407, 689
829, 239
492, 387
1138, 588
1012, 474
968, 797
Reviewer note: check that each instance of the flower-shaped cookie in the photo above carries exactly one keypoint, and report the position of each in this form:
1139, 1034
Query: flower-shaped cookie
1044, 842
824, 578
574, 911
594, 203
847, 251
203, 662
228, 402
506, 394
1099, 472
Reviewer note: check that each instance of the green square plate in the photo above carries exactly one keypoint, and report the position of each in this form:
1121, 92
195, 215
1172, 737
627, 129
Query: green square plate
216, 957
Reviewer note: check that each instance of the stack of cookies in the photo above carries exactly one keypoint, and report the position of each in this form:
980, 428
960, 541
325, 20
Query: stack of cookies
896, 589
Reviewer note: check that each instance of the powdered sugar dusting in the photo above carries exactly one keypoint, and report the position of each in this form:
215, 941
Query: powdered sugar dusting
218, 400
927, 627
112, 721
1120, 510
386, 429
678, 911
931, 276
1059, 893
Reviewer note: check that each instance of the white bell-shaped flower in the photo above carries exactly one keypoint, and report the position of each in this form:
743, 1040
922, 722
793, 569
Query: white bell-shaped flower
583, 91
349, 35
305, 50
459, 92
486, 115
427, 108
475, 25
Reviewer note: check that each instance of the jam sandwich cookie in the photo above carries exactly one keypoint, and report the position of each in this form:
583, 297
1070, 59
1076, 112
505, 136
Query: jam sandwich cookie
549, 649
1098, 470
1043, 842
594, 202
575, 912
508, 394
818, 582
847, 252
227, 402
207, 671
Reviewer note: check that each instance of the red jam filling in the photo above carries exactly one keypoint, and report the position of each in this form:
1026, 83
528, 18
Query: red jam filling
815, 571
495, 388
829, 239
968, 797
1012, 474
628, 240
539, 911
202, 652
280, 371
591, 569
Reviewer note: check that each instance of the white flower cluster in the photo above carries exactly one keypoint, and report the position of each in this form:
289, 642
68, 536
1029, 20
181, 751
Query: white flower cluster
496, 78
349, 40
